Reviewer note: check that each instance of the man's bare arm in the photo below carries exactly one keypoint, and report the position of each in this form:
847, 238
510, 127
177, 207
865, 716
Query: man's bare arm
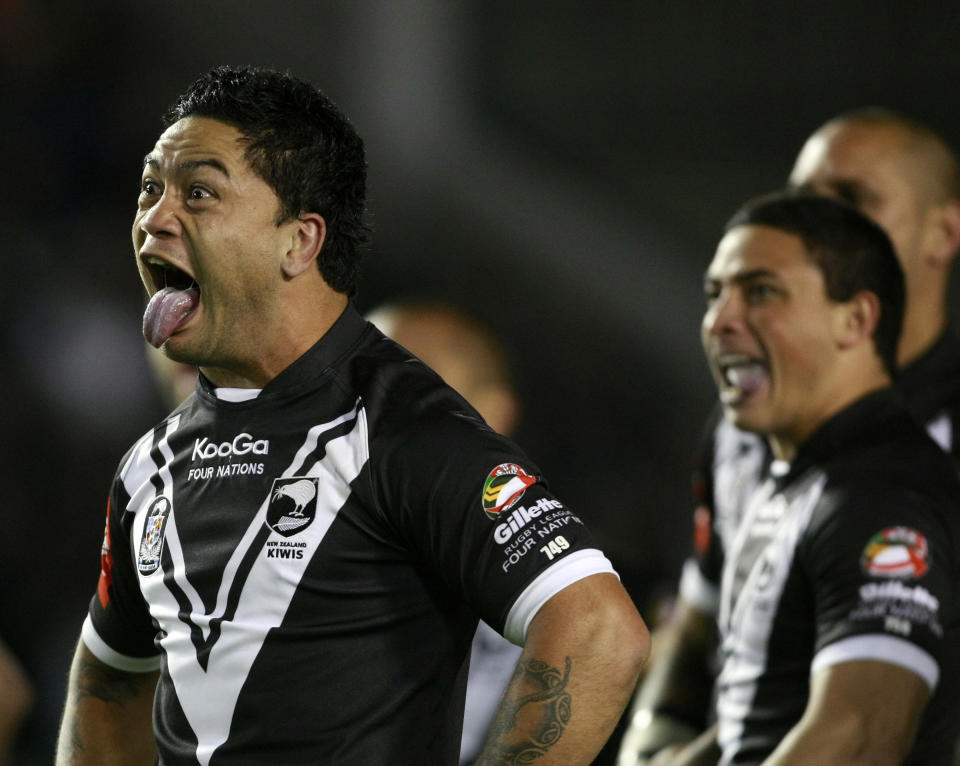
702, 751
108, 716
582, 657
852, 718
673, 700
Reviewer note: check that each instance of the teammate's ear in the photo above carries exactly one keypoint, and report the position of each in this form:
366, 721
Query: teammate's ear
308, 233
945, 234
857, 319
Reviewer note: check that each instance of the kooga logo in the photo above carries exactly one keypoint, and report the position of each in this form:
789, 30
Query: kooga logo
242, 444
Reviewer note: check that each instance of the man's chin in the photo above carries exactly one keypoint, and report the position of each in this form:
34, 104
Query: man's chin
178, 349
745, 419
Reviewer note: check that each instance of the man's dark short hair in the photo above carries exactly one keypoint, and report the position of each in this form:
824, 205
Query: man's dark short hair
300, 143
852, 252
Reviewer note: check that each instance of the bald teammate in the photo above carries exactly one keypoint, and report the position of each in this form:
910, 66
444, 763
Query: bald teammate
467, 356
905, 177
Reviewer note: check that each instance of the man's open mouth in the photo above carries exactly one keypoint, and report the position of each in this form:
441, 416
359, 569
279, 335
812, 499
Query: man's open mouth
164, 274
176, 298
742, 376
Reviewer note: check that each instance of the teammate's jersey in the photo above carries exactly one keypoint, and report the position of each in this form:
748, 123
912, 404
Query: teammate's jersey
931, 389
849, 553
307, 567
731, 462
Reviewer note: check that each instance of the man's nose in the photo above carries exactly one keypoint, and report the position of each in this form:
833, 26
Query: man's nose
725, 313
161, 218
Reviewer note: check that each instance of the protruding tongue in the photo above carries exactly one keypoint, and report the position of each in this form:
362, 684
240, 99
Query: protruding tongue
167, 309
747, 377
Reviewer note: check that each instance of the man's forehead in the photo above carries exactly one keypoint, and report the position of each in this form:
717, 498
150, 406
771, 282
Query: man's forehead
848, 149
194, 137
753, 247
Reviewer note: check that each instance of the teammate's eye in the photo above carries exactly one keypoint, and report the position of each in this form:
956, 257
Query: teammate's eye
200, 192
758, 293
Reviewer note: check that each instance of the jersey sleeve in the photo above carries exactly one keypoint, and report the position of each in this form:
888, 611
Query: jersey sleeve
118, 628
482, 517
884, 581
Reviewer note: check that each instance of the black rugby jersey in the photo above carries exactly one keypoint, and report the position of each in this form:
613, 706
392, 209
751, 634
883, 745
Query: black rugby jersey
730, 462
848, 553
931, 389
307, 567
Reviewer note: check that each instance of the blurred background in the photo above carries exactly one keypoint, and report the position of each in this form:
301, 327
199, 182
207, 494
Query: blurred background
560, 170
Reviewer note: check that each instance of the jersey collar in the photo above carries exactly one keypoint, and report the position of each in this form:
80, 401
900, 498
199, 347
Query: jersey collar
318, 361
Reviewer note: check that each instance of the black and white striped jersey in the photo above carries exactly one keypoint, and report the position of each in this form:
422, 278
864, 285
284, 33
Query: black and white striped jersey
307, 567
850, 552
731, 463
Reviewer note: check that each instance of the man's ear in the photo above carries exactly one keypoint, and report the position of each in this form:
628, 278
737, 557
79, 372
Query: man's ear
308, 233
944, 234
857, 319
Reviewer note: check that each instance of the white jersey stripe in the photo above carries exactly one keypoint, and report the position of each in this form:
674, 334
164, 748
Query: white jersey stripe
310, 444
883, 648
209, 697
747, 617
697, 590
940, 430
565, 572
103, 652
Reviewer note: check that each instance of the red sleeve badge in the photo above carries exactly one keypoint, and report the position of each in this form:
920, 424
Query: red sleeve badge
106, 564
896, 552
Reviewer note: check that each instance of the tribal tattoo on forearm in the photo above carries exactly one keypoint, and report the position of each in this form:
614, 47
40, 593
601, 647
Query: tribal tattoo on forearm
529, 726
96, 681
105, 683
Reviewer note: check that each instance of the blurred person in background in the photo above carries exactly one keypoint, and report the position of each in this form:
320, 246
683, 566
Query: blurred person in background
838, 603
905, 177
175, 380
294, 559
16, 699
473, 362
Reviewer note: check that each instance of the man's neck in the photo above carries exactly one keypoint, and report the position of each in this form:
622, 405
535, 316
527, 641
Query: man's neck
921, 329
281, 345
785, 444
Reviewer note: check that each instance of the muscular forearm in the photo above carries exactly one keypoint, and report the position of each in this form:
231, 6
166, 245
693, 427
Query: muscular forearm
851, 717
577, 672
671, 705
702, 751
107, 719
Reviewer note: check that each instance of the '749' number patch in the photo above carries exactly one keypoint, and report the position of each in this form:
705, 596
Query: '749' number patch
555, 547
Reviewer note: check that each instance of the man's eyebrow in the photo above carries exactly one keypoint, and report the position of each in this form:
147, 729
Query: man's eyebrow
741, 277
748, 276
151, 161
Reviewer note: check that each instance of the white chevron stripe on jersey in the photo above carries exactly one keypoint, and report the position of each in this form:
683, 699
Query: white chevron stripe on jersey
139, 469
208, 697
747, 617
941, 430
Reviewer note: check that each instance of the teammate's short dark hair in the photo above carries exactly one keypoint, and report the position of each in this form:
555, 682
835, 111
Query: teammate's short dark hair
300, 143
852, 252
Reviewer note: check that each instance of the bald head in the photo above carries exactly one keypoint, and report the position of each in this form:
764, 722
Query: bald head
459, 349
923, 156
903, 176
